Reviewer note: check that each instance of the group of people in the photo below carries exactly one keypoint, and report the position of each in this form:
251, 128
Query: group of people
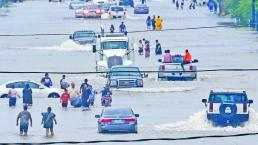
24, 119
121, 28
154, 23
144, 48
167, 58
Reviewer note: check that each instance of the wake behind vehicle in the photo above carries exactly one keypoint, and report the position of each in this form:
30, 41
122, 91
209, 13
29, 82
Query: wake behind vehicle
83, 37
124, 77
141, 9
90, 10
227, 108
177, 70
117, 12
112, 50
38, 90
117, 120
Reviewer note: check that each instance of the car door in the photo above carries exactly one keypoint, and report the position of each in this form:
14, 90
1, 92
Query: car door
19, 86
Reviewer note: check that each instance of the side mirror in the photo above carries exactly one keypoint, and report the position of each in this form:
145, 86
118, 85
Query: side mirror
159, 60
136, 115
97, 116
204, 101
195, 61
70, 37
94, 49
250, 101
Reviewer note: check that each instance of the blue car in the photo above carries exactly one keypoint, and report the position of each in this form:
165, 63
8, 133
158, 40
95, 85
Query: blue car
227, 108
84, 37
117, 120
125, 77
141, 9
126, 3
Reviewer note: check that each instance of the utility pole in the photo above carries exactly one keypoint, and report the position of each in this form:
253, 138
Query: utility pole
253, 21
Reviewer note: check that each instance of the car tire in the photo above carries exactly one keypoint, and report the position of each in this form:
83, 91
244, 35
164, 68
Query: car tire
4, 96
53, 95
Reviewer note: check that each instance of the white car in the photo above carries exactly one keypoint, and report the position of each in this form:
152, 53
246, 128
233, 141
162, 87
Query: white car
38, 90
117, 12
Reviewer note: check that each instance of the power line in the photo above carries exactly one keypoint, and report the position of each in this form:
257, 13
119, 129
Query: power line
136, 31
148, 139
145, 71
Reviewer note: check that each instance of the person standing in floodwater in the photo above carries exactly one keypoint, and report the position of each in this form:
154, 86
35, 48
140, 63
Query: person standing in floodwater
24, 118
48, 121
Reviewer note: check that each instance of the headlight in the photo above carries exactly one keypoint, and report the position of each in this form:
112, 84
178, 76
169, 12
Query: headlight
113, 83
139, 83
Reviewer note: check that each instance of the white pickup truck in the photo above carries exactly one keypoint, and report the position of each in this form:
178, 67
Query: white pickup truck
177, 70
112, 50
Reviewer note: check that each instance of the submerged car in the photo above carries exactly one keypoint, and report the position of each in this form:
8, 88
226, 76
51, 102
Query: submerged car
84, 37
117, 12
117, 120
38, 90
88, 11
141, 9
125, 77
227, 108
177, 70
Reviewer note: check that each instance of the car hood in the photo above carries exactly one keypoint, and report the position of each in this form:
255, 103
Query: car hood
114, 52
125, 77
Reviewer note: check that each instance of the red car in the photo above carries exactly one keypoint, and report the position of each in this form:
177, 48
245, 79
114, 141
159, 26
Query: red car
92, 10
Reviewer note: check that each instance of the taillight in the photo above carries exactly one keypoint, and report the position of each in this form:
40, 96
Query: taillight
211, 107
163, 67
85, 11
191, 68
130, 120
98, 11
106, 120
244, 107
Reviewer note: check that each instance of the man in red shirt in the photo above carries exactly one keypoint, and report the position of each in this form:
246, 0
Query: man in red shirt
65, 97
188, 57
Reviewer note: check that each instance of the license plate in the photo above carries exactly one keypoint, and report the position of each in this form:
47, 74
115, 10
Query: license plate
118, 121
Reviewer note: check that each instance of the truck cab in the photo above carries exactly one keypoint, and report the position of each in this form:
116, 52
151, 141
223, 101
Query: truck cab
125, 77
227, 108
112, 50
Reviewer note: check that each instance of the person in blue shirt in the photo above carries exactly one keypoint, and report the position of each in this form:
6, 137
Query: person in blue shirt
46, 81
24, 118
27, 95
86, 92
122, 28
47, 121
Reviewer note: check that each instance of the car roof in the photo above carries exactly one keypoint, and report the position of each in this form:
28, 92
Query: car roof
121, 66
115, 108
19, 81
141, 5
227, 91
86, 31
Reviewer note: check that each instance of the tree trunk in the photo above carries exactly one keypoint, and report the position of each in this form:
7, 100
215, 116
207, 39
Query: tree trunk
222, 9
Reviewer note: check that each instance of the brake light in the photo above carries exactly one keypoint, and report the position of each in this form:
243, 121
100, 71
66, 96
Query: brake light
85, 11
130, 120
163, 67
211, 107
244, 107
98, 11
106, 120
191, 68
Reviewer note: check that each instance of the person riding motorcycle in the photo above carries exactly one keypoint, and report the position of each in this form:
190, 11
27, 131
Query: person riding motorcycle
106, 100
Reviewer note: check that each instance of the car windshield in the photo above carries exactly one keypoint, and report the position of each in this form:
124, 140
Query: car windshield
114, 113
141, 6
177, 59
84, 34
91, 6
114, 45
117, 9
228, 98
125, 71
